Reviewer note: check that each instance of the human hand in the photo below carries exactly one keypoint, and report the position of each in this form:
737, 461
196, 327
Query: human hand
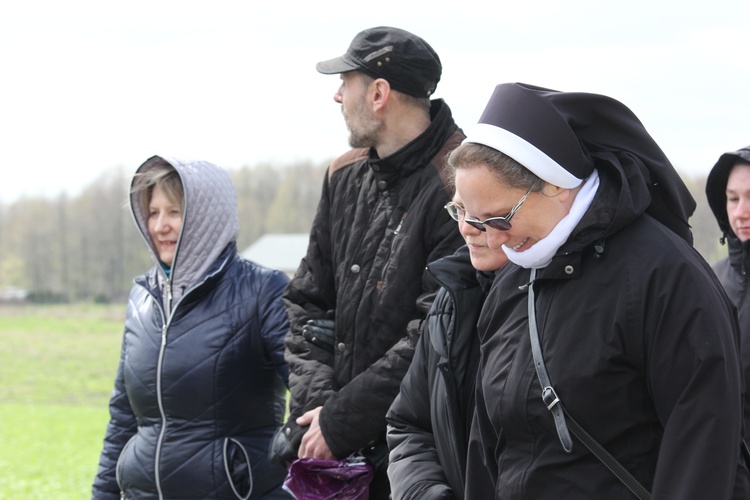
313, 443
320, 332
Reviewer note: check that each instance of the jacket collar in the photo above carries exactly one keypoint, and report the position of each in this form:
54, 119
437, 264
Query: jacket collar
623, 196
153, 280
419, 152
455, 271
739, 253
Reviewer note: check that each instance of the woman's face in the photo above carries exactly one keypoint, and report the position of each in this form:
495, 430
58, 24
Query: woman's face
482, 257
164, 225
485, 196
738, 201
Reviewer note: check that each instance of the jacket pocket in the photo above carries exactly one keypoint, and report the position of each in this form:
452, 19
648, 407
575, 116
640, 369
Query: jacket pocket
120, 460
237, 468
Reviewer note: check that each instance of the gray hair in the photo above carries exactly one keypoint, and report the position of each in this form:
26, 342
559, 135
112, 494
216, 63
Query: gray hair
422, 103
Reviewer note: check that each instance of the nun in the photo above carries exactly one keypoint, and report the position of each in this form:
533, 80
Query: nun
609, 362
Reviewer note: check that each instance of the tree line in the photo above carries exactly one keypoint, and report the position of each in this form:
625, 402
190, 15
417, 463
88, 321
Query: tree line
87, 248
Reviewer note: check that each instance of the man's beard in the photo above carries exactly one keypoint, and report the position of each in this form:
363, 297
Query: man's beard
364, 133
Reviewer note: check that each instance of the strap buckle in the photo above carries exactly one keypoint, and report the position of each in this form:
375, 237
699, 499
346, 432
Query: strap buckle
549, 396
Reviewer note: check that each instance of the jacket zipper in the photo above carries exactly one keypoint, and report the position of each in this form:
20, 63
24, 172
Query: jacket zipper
448, 375
160, 402
391, 249
449, 379
167, 320
161, 410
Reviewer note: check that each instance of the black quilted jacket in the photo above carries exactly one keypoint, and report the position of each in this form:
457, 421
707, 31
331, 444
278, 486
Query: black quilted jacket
429, 420
378, 224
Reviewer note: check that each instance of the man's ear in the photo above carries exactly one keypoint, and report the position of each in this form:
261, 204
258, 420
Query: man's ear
381, 93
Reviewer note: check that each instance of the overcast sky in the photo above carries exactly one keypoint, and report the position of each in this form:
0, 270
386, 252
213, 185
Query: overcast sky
90, 85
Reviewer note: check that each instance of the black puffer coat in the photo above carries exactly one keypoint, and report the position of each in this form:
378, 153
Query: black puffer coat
200, 386
378, 224
732, 270
429, 419
642, 350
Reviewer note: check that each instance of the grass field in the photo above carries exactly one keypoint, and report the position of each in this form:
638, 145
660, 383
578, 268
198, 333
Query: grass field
57, 367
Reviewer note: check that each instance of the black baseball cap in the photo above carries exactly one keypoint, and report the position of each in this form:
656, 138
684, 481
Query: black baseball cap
406, 61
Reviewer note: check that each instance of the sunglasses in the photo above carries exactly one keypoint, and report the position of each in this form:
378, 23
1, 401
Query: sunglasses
458, 213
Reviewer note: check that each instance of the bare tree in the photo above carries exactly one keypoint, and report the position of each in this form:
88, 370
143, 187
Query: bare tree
706, 232
86, 247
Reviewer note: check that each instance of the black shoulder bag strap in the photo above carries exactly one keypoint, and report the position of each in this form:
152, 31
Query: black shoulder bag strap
561, 415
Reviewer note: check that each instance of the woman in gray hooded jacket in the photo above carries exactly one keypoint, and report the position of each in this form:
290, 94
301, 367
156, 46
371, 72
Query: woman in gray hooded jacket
728, 193
201, 381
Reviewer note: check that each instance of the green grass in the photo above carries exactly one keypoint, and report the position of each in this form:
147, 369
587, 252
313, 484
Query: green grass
49, 451
57, 367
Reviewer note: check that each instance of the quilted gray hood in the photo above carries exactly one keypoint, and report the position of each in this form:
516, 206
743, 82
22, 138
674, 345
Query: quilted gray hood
210, 221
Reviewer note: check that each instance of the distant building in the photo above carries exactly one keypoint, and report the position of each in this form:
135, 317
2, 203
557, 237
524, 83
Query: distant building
279, 251
13, 294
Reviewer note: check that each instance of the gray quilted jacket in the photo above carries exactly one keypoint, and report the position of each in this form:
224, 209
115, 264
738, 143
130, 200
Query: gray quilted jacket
732, 270
200, 385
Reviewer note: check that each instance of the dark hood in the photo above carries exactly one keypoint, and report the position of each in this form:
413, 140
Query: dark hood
563, 136
626, 191
716, 187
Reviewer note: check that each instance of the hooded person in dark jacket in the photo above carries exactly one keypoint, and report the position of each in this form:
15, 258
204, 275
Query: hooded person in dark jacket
606, 315
428, 423
728, 193
379, 222
200, 387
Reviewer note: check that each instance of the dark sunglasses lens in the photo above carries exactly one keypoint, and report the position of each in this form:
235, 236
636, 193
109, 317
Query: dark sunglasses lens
475, 224
499, 224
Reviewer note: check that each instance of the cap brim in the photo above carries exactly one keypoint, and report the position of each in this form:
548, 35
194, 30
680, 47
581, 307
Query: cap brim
335, 66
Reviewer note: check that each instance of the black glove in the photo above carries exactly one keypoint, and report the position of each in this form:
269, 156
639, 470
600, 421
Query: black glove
285, 443
320, 332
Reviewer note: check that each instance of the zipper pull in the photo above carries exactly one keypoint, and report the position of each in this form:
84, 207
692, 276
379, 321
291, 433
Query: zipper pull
398, 228
164, 335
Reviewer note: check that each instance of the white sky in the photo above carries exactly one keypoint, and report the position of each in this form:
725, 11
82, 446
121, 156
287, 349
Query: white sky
89, 85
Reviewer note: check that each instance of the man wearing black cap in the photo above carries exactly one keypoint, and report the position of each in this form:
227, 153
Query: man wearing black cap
379, 222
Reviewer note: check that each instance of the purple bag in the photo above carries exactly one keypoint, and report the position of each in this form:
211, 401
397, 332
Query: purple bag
315, 479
